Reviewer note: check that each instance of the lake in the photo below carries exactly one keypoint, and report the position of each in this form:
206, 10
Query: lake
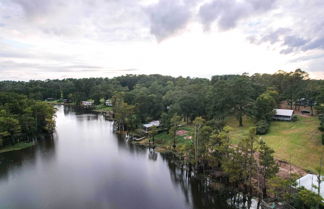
85, 165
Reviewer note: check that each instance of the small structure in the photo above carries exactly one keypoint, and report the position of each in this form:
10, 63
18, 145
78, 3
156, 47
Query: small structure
49, 99
283, 114
86, 103
147, 126
108, 103
310, 182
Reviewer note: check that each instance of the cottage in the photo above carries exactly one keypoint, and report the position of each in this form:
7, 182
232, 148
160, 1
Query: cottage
283, 114
147, 126
309, 181
108, 103
86, 103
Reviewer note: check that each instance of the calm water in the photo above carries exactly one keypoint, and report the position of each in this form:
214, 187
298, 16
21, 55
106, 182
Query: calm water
86, 166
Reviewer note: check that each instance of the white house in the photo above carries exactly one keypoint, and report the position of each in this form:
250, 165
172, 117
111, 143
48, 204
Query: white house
283, 114
310, 181
147, 126
86, 103
108, 103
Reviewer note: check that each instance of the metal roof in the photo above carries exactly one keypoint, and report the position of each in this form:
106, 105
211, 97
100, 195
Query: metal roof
309, 181
152, 123
284, 112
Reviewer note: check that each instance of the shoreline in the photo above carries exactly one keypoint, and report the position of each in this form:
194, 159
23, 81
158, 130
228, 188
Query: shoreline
17, 147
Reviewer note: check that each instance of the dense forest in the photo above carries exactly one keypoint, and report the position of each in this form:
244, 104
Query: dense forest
202, 103
150, 97
23, 119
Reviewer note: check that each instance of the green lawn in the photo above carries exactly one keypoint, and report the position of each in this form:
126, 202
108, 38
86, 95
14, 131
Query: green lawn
164, 140
102, 108
296, 142
18, 146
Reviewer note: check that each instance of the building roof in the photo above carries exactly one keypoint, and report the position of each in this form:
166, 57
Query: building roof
284, 112
152, 123
308, 181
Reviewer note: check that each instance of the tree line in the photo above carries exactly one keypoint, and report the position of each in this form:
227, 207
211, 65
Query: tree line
23, 119
156, 96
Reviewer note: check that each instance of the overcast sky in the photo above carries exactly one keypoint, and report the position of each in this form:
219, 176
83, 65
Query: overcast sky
42, 39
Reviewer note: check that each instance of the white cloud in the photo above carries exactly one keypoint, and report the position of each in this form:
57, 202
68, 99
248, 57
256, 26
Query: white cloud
42, 39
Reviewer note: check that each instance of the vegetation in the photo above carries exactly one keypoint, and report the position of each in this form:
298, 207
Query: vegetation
196, 114
15, 147
296, 142
22, 119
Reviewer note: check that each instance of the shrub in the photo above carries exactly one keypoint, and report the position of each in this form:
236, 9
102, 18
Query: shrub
294, 118
322, 139
262, 127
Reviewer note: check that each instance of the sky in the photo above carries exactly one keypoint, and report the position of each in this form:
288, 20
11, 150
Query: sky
57, 39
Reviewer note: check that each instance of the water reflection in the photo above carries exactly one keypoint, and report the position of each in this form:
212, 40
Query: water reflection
85, 165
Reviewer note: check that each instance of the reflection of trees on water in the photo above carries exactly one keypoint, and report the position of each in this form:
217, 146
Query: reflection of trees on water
152, 155
9, 161
130, 147
196, 190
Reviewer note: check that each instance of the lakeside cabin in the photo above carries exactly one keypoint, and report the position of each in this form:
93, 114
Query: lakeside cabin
147, 126
86, 103
283, 114
108, 103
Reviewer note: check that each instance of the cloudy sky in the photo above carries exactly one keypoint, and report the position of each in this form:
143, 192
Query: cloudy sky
41, 39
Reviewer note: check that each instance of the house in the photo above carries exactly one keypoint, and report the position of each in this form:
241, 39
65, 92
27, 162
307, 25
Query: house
147, 126
86, 103
283, 114
108, 103
49, 99
310, 182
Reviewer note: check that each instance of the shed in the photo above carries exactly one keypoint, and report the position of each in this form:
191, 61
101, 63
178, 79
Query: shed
283, 114
308, 181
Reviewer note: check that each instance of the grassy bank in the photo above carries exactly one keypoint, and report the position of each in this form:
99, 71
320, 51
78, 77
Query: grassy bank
296, 142
19, 146
102, 108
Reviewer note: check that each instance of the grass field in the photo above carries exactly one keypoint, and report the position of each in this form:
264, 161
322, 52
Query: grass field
102, 108
18, 146
296, 142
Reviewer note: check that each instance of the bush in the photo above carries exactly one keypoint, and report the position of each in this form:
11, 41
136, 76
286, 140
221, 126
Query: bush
262, 127
294, 118
322, 139
321, 118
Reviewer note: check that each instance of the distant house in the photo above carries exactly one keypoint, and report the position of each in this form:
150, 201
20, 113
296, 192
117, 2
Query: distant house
108, 103
147, 126
283, 114
86, 103
309, 181
49, 99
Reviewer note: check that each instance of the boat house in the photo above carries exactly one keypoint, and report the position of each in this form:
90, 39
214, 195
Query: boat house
283, 114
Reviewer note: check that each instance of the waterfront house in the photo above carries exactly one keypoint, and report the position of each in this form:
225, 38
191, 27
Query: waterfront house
86, 103
108, 103
147, 126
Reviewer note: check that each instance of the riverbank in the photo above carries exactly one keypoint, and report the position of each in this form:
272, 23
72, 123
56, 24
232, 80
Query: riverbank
102, 109
18, 146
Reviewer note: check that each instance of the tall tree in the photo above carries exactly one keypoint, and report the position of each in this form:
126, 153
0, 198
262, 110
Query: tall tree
240, 92
268, 165
175, 123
